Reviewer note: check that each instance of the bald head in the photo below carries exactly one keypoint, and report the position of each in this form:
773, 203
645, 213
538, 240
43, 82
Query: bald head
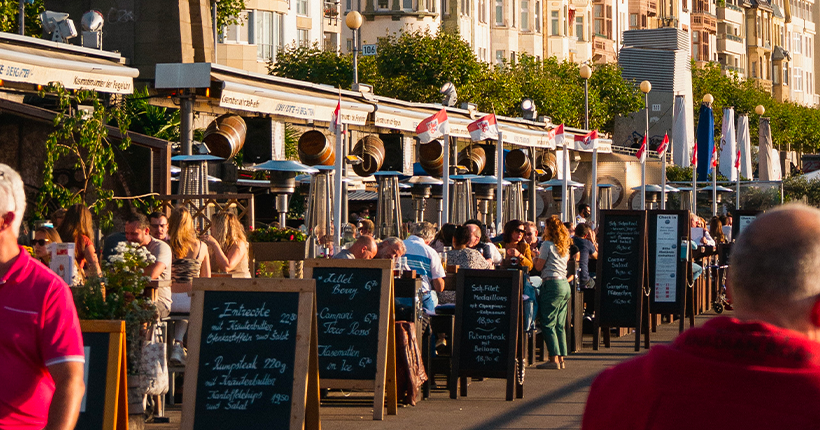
775, 267
364, 248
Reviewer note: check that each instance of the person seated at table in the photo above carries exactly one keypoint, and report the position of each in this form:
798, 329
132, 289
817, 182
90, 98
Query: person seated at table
366, 227
716, 230
531, 237
227, 245
364, 248
78, 227
426, 262
390, 248
516, 250
44, 238
191, 261
137, 231
699, 234
726, 222
481, 243
584, 240
464, 258
444, 237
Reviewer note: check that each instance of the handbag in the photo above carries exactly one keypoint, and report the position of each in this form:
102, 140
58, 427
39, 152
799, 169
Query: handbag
154, 362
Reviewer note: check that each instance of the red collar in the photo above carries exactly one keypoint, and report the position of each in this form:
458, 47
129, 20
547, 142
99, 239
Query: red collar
15, 272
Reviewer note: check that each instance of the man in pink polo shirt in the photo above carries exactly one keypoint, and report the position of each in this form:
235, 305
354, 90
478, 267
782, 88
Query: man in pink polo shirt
41, 347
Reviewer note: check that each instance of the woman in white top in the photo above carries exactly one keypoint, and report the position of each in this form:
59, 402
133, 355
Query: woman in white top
555, 291
227, 244
699, 233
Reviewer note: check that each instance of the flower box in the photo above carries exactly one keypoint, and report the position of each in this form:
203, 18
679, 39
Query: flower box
278, 251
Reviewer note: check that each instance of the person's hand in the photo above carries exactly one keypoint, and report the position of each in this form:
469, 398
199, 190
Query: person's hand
512, 252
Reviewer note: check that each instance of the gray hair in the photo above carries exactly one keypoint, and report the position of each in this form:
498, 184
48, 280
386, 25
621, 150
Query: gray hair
389, 244
424, 230
775, 263
12, 196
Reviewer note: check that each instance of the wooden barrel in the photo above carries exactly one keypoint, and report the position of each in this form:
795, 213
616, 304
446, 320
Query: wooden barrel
371, 150
474, 158
431, 158
315, 149
548, 164
518, 164
225, 135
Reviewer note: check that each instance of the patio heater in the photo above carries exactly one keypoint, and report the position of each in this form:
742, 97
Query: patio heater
653, 195
484, 193
319, 214
421, 191
604, 198
514, 200
193, 180
436, 192
388, 209
531, 200
283, 183
715, 198
555, 185
462, 207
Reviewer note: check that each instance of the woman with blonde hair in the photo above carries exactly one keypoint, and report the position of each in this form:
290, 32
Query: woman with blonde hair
228, 245
190, 261
555, 291
78, 227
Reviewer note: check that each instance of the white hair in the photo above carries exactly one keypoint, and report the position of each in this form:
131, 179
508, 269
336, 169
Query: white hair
12, 195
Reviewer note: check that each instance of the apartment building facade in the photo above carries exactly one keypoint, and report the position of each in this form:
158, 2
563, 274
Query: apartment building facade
797, 38
731, 36
569, 34
704, 32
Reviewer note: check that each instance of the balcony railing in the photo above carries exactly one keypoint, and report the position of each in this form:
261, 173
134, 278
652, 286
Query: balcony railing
730, 37
739, 70
331, 12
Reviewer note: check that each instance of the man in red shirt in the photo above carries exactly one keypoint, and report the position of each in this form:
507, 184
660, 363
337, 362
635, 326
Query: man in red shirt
760, 370
41, 346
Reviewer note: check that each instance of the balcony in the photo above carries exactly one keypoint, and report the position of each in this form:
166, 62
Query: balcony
731, 13
763, 84
728, 68
730, 43
603, 49
653, 9
705, 21
331, 14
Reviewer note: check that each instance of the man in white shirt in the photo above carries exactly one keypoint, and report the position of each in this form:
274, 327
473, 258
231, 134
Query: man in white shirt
426, 262
699, 235
137, 230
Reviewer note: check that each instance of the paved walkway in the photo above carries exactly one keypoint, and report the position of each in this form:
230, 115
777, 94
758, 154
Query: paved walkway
553, 399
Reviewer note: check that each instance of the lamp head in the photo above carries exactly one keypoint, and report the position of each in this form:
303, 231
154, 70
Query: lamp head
646, 87
760, 110
450, 96
707, 98
528, 109
353, 20
586, 71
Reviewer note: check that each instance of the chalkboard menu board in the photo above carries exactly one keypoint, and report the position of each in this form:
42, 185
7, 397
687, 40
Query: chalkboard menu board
104, 404
741, 220
249, 354
488, 323
621, 259
667, 271
354, 308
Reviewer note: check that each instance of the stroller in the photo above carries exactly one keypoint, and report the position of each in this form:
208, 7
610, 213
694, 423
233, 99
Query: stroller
719, 278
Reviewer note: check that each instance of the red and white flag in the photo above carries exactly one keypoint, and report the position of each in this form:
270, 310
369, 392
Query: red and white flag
737, 160
336, 118
557, 134
433, 127
714, 160
663, 146
695, 155
586, 142
641, 154
484, 128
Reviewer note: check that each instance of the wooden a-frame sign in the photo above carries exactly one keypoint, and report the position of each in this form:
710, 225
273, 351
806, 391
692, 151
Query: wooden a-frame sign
105, 380
347, 300
252, 355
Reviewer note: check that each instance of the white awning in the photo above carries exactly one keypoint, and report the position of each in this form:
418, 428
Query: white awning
37, 65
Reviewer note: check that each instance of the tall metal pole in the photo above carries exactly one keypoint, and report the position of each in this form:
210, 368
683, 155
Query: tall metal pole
532, 185
216, 30
22, 17
594, 189
337, 203
186, 121
445, 187
499, 191
643, 164
714, 188
663, 158
565, 185
355, 57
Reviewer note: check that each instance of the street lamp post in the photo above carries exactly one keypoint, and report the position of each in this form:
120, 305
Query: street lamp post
586, 73
646, 87
353, 20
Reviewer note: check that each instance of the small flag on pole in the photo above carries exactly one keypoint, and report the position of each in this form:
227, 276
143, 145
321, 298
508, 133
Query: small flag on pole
663, 146
586, 142
336, 118
642, 151
557, 134
484, 128
433, 127
737, 161
695, 155
714, 160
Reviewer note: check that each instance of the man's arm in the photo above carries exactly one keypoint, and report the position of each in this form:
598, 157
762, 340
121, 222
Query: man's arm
154, 271
68, 394
438, 284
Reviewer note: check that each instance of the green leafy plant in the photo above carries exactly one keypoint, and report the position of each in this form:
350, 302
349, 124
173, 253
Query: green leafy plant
83, 137
118, 295
10, 17
228, 11
274, 234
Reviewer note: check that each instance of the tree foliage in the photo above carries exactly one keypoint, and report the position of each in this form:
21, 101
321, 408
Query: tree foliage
10, 17
413, 66
83, 137
228, 12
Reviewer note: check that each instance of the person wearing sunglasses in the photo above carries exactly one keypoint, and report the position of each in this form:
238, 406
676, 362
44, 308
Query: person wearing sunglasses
516, 249
43, 238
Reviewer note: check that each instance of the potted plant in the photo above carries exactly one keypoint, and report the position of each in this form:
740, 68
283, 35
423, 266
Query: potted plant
277, 244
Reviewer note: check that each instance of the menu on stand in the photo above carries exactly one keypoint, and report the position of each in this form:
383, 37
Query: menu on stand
251, 350
740, 220
487, 323
355, 323
666, 232
620, 268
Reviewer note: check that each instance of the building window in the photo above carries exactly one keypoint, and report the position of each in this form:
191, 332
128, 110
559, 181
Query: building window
500, 56
268, 35
598, 11
579, 28
525, 15
303, 37
538, 16
554, 21
239, 32
302, 8
482, 13
499, 12
797, 83
348, 4
633, 21
383, 4
797, 45
407, 4
599, 27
